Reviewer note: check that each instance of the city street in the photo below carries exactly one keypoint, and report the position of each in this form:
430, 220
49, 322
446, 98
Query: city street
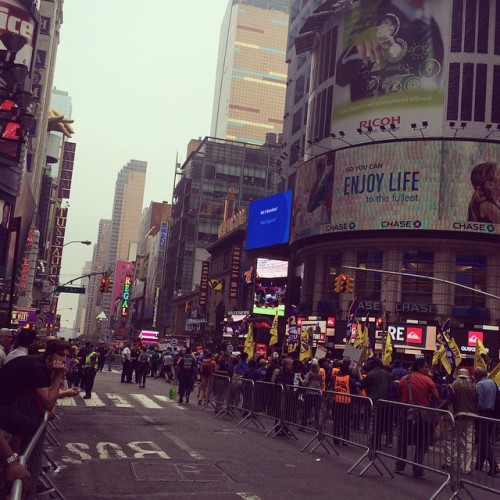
128, 442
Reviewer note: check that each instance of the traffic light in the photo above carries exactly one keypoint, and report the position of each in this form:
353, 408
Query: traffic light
109, 285
350, 284
102, 288
341, 283
379, 323
338, 283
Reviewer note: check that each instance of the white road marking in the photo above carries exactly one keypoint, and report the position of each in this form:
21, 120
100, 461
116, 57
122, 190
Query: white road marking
181, 444
118, 400
248, 496
166, 399
66, 402
102, 450
141, 452
146, 401
178, 441
94, 401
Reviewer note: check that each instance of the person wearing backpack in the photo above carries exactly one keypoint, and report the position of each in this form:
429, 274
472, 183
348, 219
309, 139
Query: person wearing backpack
186, 372
207, 368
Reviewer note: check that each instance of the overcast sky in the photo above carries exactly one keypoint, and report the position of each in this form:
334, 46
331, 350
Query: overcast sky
141, 77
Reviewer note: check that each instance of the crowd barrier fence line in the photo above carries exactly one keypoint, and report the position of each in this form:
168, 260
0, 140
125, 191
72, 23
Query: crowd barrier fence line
414, 426
32, 460
432, 435
475, 436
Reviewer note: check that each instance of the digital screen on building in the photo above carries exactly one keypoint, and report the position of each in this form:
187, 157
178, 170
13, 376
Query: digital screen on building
417, 185
270, 287
269, 221
389, 67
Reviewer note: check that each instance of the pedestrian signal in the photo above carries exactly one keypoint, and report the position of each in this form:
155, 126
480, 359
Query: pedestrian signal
102, 288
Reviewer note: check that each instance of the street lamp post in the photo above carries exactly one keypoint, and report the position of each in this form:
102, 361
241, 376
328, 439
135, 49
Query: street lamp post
53, 304
83, 242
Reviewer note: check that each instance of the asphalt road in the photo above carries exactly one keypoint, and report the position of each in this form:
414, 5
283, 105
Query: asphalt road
128, 442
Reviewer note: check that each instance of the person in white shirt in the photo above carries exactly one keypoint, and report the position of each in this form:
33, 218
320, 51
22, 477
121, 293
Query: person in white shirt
6, 341
127, 364
24, 339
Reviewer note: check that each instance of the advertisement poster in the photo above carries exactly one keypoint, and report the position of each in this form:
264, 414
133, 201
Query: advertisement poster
269, 221
390, 64
386, 187
270, 287
431, 185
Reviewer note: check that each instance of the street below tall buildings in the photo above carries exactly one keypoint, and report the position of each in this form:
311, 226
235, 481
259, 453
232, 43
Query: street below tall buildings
127, 442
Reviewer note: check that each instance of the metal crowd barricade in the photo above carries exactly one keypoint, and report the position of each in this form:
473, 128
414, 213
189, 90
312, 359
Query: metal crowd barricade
220, 387
475, 461
345, 420
248, 404
413, 435
234, 396
31, 459
267, 401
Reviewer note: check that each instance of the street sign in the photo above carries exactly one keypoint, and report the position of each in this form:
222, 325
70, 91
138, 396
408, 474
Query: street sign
174, 342
229, 348
70, 289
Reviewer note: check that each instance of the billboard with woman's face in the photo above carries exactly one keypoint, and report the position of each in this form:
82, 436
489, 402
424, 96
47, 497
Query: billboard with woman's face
414, 185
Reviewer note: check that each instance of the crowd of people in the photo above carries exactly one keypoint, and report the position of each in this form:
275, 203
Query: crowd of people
32, 374
33, 371
470, 392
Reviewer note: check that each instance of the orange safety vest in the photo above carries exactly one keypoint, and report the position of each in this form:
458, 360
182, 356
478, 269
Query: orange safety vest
362, 392
342, 385
323, 375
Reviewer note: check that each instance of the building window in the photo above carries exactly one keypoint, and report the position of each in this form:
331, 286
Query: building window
414, 289
470, 271
368, 285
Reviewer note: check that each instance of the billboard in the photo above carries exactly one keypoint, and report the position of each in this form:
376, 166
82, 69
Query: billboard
270, 287
17, 23
414, 185
390, 60
269, 221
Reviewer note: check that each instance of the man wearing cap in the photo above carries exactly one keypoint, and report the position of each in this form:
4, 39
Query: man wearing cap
464, 399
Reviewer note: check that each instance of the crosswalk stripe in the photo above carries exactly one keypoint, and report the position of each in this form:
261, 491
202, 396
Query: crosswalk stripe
94, 401
165, 399
118, 400
146, 401
66, 402
121, 401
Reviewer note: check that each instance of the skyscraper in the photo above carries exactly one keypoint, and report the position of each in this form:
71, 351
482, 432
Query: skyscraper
251, 76
127, 210
125, 220
95, 299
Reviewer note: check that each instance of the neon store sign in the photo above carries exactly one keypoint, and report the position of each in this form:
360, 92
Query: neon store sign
126, 296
